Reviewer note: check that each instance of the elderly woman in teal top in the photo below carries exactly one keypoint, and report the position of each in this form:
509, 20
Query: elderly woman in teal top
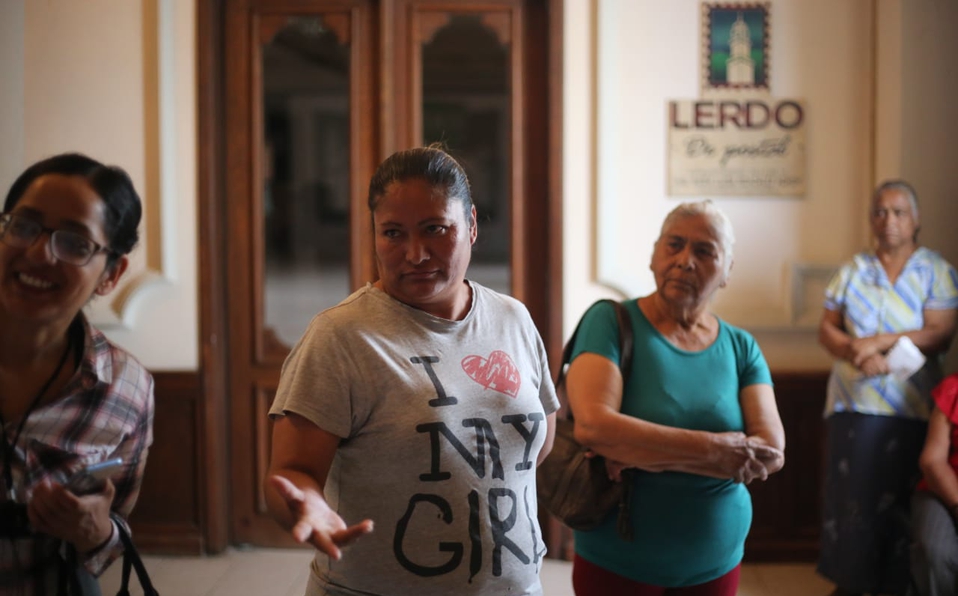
875, 420
697, 420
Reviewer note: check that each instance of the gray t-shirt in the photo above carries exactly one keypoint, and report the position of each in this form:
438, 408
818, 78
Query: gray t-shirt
441, 422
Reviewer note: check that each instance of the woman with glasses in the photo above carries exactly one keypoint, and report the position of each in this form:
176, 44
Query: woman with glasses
68, 397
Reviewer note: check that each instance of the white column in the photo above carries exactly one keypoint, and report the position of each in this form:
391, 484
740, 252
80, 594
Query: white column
11, 91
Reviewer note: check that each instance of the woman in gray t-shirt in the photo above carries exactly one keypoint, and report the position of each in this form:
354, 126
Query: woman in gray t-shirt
421, 403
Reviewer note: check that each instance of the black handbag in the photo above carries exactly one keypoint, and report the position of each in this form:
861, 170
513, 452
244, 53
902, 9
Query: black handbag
572, 487
77, 581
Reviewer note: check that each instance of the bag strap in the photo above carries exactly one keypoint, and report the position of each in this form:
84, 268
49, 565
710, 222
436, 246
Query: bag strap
67, 580
626, 347
626, 340
626, 343
131, 559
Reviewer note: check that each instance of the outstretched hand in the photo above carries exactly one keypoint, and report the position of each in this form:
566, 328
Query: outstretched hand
315, 522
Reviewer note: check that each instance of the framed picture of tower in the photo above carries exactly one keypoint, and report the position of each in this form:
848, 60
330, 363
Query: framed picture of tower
735, 42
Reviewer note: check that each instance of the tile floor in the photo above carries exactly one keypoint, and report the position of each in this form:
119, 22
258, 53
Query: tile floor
278, 572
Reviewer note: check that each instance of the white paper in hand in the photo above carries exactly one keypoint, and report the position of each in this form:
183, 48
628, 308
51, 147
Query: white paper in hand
904, 358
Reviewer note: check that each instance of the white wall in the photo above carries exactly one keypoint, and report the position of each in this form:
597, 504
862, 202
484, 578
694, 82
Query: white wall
929, 128
115, 79
638, 54
11, 91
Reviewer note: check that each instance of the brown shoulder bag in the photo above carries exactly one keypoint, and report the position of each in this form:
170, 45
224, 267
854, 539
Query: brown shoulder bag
574, 488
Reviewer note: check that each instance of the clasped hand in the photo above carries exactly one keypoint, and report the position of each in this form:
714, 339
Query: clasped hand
734, 455
83, 521
867, 355
314, 522
743, 458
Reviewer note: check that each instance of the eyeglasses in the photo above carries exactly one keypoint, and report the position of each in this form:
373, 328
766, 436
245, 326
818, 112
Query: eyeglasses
70, 247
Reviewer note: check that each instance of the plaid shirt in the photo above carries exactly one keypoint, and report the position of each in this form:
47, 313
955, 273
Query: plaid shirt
104, 411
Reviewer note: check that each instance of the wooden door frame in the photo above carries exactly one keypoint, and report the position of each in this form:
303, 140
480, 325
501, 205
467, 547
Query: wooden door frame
214, 450
256, 352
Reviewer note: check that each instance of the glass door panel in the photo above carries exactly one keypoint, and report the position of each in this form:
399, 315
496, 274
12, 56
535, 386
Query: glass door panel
466, 107
305, 178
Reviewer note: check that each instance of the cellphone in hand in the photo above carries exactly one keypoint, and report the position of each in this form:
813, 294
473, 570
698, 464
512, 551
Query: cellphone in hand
92, 478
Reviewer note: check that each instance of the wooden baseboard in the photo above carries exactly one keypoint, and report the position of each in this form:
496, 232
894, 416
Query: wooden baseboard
168, 517
168, 539
781, 551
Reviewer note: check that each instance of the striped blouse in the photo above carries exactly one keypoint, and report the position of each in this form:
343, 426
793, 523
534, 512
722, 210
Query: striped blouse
870, 305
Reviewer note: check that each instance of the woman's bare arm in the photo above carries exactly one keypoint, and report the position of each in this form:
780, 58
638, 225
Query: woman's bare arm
933, 338
594, 386
763, 423
934, 464
935, 335
302, 454
550, 438
832, 335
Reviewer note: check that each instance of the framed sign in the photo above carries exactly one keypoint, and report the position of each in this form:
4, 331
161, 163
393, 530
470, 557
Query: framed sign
729, 147
735, 42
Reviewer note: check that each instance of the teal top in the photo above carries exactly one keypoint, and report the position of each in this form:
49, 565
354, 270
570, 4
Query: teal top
688, 529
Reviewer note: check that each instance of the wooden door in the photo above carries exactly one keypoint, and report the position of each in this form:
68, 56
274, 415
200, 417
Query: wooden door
316, 93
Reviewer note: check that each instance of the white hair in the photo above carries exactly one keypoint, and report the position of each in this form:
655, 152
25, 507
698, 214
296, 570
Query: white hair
906, 189
721, 225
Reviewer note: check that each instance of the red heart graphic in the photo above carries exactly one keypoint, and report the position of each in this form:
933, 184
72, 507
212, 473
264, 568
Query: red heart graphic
498, 372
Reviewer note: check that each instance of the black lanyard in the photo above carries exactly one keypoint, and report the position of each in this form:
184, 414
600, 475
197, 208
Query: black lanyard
10, 449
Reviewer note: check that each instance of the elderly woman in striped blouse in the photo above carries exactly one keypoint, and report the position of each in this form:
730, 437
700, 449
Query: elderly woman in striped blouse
897, 293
